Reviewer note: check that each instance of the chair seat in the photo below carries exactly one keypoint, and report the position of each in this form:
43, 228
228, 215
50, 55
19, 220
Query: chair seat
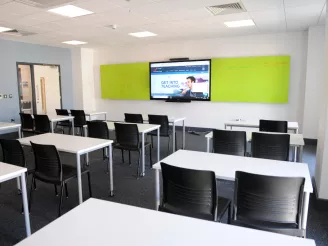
223, 205
69, 172
64, 123
290, 229
128, 147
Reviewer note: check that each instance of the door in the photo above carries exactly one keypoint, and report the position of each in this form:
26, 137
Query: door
25, 89
47, 89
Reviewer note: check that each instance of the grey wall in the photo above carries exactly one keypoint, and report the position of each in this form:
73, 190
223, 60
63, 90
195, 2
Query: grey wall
12, 52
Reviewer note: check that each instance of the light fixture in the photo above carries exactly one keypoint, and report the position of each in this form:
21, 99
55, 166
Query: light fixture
240, 23
74, 42
142, 34
70, 11
5, 29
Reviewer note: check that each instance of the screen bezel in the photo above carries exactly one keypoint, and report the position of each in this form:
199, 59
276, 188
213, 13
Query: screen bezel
192, 99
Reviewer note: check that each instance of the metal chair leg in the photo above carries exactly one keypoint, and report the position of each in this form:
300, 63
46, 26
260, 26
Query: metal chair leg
138, 169
34, 183
31, 192
56, 191
66, 190
122, 156
151, 159
176, 142
61, 199
129, 157
152, 142
89, 184
168, 145
229, 214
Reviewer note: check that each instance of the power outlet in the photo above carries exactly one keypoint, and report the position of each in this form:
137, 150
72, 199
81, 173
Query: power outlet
12, 120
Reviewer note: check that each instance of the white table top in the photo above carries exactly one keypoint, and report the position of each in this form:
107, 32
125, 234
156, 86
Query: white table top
7, 125
56, 118
94, 113
98, 222
171, 119
225, 166
8, 171
256, 123
295, 139
143, 128
68, 143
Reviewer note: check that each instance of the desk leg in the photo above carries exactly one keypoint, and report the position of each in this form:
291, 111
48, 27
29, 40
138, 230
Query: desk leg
173, 150
157, 189
52, 126
300, 154
143, 155
183, 135
25, 205
110, 168
19, 132
225, 126
305, 210
73, 133
79, 179
87, 154
158, 146
18, 182
208, 145
295, 154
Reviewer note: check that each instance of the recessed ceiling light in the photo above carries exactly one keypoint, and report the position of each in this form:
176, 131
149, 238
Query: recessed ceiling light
240, 23
142, 34
5, 29
74, 42
70, 11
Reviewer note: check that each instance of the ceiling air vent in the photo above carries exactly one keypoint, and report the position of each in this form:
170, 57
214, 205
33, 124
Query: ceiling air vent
226, 9
43, 3
18, 33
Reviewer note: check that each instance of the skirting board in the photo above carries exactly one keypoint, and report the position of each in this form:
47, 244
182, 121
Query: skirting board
319, 204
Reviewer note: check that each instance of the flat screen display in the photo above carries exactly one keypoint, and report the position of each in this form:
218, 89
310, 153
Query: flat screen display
187, 80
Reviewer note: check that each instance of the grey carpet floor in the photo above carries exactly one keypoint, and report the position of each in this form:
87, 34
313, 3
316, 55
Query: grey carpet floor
128, 190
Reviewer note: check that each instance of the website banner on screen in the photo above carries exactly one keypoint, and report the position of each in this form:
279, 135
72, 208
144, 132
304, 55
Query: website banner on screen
187, 79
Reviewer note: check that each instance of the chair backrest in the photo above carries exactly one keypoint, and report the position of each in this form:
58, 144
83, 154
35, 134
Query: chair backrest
161, 120
127, 134
47, 162
193, 192
133, 118
62, 112
98, 129
270, 146
27, 121
229, 142
79, 117
42, 123
268, 198
13, 152
273, 126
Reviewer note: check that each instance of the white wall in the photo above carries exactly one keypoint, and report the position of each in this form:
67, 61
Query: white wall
52, 88
314, 87
212, 114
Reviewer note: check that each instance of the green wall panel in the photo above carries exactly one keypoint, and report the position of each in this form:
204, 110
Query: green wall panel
251, 79
125, 81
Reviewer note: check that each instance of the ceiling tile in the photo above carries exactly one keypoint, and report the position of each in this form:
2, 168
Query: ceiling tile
255, 5
97, 6
18, 8
295, 3
302, 17
269, 20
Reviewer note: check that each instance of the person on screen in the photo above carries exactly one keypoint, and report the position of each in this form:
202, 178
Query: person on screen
187, 92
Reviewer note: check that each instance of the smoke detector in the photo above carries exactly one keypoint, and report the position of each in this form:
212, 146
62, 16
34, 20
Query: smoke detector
226, 9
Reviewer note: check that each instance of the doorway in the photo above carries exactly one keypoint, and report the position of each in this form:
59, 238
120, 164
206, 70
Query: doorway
39, 88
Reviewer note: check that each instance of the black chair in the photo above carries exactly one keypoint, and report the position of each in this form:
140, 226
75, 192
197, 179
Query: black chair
42, 124
270, 146
269, 203
99, 129
133, 118
79, 120
49, 169
65, 123
192, 193
273, 126
27, 123
13, 153
127, 138
165, 131
229, 142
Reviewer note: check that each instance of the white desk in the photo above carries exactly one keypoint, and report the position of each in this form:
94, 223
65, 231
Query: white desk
8, 126
8, 172
293, 126
143, 130
296, 141
225, 167
56, 118
174, 121
90, 114
75, 145
101, 223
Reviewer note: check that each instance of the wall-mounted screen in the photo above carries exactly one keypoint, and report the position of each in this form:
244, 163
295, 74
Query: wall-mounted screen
182, 79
